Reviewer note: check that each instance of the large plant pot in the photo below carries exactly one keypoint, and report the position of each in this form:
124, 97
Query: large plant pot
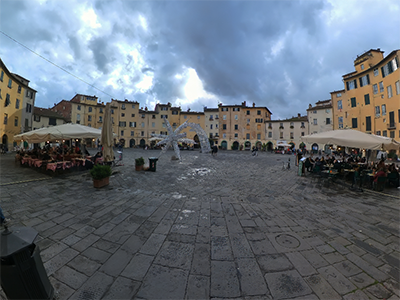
139, 168
98, 183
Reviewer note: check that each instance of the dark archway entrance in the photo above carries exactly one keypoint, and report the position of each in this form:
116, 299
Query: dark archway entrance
314, 148
142, 143
132, 143
197, 140
235, 145
247, 145
4, 141
258, 145
224, 145
270, 146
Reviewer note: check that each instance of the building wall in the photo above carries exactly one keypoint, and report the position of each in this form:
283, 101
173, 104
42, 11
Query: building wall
287, 131
211, 122
13, 102
369, 107
320, 118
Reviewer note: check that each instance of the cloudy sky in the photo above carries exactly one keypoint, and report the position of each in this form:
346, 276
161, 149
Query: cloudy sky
279, 54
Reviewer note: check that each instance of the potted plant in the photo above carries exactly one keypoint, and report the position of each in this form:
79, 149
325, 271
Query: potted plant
139, 162
101, 175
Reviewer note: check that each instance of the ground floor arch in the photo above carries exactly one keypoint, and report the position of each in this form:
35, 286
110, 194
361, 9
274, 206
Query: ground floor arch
4, 142
197, 140
235, 145
247, 145
132, 143
270, 146
224, 145
314, 147
258, 145
142, 143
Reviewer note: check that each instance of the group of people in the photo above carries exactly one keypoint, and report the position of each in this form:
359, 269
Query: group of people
378, 169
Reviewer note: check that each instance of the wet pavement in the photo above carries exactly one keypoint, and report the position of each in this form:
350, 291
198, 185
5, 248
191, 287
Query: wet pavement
231, 226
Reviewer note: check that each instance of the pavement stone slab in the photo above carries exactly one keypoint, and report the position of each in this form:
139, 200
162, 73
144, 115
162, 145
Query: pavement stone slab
224, 279
287, 284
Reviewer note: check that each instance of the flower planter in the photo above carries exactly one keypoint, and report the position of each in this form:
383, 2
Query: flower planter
139, 168
98, 183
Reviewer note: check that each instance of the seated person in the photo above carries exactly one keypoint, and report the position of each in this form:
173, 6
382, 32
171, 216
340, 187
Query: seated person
309, 164
98, 154
381, 173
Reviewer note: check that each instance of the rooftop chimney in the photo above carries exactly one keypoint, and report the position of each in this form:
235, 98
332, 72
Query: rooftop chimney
254, 105
299, 115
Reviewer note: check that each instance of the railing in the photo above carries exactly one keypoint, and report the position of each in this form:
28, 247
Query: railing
391, 126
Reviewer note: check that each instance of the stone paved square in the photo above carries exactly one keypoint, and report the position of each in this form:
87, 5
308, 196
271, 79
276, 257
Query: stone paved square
242, 228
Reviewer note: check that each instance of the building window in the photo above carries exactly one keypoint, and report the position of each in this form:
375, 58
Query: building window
281, 135
350, 85
236, 135
384, 133
375, 88
198, 117
236, 127
224, 126
184, 117
122, 124
302, 133
123, 107
28, 108
153, 124
377, 111
381, 88
236, 117
16, 121
101, 110
132, 133
353, 102
340, 122
5, 119
259, 112
142, 124
100, 119
354, 122
7, 102
376, 72
36, 118
224, 117
90, 109
224, 109
122, 133
79, 107
366, 99
236, 109
368, 123
378, 132
328, 121
339, 104
247, 112
383, 109
392, 134
270, 134
211, 126
19, 89
362, 66
89, 118
17, 103
2, 75
397, 87
258, 136
78, 117
315, 122
389, 91
142, 133
112, 111
391, 119
224, 135
302, 125
248, 136
364, 80
9, 83
52, 121
133, 106
132, 124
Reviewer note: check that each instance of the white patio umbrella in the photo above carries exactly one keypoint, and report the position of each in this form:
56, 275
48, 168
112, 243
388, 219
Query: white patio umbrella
107, 139
352, 138
60, 132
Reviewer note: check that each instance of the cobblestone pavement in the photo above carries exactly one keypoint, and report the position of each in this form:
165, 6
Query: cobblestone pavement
231, 226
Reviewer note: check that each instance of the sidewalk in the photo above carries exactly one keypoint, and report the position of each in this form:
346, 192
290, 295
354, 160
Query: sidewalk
230, 226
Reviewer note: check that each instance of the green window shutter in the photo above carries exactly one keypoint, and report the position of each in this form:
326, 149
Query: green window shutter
368, 79
366, 98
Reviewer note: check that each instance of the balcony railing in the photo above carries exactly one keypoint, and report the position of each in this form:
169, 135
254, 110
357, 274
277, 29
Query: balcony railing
391, 126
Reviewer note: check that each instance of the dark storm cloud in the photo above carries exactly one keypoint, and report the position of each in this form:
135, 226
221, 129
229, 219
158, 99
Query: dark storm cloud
280, 54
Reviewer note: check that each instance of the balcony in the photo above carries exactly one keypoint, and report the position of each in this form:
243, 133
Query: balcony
391, 126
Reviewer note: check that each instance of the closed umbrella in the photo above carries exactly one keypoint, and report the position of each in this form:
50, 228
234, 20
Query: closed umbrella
107, 136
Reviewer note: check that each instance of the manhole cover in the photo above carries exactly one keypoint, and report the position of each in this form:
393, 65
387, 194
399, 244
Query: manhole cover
287, 241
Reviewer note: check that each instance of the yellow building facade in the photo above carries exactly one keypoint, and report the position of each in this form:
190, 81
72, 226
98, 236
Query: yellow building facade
370, 100
242, 127
16, 106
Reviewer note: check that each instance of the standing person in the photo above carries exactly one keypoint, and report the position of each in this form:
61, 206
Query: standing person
3, 220
214, 150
